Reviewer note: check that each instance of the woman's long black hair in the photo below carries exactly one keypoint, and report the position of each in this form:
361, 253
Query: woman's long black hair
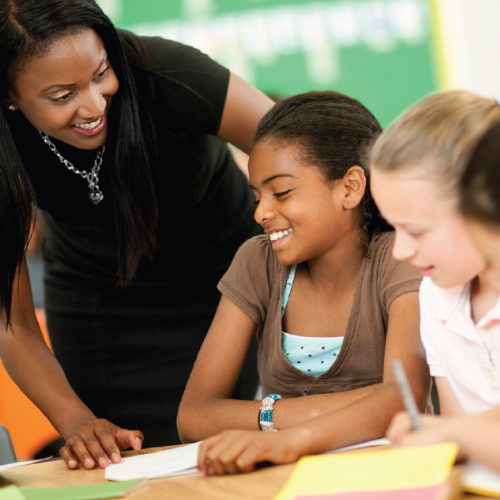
27, 29
334, 132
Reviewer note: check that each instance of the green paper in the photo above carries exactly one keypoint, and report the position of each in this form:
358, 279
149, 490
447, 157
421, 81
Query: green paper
110, 489
11, 493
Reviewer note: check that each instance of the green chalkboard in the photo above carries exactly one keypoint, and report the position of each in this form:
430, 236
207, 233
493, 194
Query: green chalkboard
379, 51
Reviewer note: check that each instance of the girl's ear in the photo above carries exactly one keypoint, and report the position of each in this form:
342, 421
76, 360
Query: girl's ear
354, 186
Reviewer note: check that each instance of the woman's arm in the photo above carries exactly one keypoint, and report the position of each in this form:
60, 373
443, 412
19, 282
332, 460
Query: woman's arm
366, 418
243, 109
36, 371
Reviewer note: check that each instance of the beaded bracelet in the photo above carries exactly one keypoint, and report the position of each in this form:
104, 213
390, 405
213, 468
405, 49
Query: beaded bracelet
266, 413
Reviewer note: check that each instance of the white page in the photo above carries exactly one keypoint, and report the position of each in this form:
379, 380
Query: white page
182, 460
364, 444
481, 478
13, 465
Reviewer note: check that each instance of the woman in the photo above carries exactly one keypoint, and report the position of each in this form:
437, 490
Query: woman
134, 250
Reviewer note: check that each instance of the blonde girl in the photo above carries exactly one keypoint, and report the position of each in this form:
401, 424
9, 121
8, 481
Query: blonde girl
416, 167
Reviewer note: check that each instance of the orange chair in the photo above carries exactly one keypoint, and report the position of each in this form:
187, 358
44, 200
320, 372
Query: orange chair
28, 428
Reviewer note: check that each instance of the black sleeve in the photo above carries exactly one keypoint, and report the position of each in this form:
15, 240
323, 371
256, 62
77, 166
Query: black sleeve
190, 88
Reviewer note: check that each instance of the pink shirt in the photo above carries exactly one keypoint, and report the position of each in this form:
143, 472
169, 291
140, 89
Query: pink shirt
467, 354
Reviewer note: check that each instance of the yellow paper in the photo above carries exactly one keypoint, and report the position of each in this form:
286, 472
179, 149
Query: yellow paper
370, 471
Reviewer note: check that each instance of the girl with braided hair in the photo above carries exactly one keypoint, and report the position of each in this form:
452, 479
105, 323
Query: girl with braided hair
329, 305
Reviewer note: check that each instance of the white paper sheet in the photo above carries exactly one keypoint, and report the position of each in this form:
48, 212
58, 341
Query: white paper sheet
20, 464
364, 444
182, 460
481, 479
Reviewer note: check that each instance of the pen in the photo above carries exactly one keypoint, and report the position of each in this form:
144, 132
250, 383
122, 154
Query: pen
406, 394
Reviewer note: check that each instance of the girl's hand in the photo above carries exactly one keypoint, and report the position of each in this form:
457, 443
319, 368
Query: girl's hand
240, 451
98, 441
434, 430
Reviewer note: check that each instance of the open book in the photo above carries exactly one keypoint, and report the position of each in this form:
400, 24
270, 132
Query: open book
181, 460
480, 479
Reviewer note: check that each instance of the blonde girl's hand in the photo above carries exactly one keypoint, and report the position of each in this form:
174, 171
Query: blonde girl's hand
240, 451
434, 430
97, 441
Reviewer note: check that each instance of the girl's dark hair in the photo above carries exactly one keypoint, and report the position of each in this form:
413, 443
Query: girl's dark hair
334, 132
480, 183
27, 30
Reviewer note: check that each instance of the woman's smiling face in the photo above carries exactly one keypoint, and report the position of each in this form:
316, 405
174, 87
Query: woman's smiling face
297, 206
67, 91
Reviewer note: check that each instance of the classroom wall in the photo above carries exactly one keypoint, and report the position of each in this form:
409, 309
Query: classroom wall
387, 53
379, 51
470, 31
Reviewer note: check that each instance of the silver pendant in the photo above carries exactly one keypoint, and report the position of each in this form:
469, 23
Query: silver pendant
96, 196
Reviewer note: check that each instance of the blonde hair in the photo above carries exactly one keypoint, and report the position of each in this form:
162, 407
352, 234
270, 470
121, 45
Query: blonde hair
439, 134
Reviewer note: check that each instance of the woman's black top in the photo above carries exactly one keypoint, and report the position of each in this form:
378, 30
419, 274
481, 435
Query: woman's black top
128, 352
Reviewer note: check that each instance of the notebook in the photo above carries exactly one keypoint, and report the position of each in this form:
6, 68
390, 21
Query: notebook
181, 460
410, 473
13, 465
81, 492
364, 444
479, 479
11, 493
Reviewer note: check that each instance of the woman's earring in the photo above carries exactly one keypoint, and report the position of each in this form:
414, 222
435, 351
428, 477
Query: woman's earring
12, 107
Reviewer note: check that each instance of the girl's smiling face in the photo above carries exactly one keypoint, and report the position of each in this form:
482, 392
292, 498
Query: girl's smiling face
303, 213
67, 91
430, 233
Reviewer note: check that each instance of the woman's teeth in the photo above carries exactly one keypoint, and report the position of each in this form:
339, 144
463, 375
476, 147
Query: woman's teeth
279, 234
90, 126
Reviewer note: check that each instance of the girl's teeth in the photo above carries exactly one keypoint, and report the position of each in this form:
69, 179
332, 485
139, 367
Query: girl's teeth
279, 234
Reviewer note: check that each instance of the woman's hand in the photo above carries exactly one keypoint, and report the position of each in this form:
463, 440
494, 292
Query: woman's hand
240, 451
33, 367
98, 441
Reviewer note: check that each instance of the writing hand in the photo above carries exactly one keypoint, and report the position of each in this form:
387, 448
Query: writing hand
433, 431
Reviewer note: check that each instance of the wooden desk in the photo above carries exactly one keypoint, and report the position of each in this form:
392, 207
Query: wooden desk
262, 484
